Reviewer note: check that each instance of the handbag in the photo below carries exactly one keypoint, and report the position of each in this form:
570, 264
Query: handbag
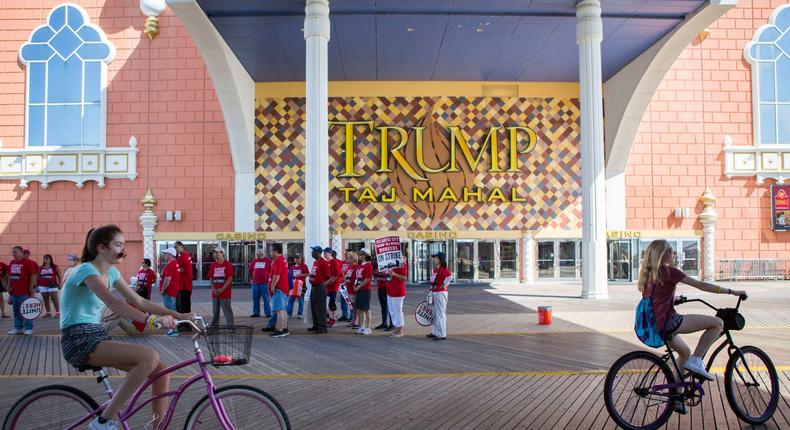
645, 323
429, 299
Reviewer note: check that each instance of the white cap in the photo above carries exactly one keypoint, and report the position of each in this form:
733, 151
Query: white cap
171, 251
365, 251
219, 249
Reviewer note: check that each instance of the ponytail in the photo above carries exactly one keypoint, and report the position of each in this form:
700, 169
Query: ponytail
98, 236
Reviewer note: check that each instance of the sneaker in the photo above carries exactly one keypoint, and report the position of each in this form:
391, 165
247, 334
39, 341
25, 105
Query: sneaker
390, 328
367, 331
360, 330
380, 327
28, 332
268, 329
299, 317
269, 316
695, 366
279, 334
108, 425
172, 333
393, 334
56, 315
14, 332
255, 316
430, 335
439, 338
680, 408
331, 323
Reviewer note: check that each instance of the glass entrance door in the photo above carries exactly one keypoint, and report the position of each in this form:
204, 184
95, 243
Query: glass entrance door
546, 259
240, 255
619, 260
486, 260
423, 267
508, 259
465, 260
567, 259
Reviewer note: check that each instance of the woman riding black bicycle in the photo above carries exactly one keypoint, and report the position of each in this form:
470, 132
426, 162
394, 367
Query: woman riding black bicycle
658, 280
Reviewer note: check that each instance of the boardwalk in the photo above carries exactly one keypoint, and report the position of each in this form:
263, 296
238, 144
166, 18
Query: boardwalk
492, 373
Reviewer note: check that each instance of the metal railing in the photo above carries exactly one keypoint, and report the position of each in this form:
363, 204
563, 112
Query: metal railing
752, 270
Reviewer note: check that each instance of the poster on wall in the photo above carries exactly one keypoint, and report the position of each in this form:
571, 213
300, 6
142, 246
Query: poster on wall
388, 253
780, 207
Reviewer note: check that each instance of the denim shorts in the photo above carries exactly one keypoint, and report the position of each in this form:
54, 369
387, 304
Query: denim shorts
279, 301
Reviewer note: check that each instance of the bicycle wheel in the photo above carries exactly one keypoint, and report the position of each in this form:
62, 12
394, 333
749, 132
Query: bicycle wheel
629, 395
246, 407
752, 385
50, 407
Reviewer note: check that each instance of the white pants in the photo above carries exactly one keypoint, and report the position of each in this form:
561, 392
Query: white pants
439, 314
395, 307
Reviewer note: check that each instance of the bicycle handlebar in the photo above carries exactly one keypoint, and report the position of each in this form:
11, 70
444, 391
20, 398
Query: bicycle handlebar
198, 318
684, 299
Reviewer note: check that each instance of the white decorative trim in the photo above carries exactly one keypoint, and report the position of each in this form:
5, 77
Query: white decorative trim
76, 164
762, 161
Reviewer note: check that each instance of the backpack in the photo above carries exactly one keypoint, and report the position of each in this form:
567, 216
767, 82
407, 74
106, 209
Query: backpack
645, 323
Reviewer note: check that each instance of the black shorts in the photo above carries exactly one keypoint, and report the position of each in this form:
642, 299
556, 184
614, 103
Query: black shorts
79, 341
362, 300
671, 326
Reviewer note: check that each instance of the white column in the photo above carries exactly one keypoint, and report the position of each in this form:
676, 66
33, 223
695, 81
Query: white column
528, 257
615, 202
589, 33
244, 208
148, 223
316, 33
708, 218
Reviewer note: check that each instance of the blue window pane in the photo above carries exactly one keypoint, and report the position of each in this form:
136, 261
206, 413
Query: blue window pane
768, 124
783, 20
784, 124
88, 34
91, 123
64, 124
37, 52
65, 80
767, 84
42, 35
35, 126
765, 52
769, 35
58, 18
92, 82
783, 84
74, 18
94, 51
37, 83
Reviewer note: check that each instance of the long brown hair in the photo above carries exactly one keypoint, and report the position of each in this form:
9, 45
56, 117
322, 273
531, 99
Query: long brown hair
650, 272
98, 236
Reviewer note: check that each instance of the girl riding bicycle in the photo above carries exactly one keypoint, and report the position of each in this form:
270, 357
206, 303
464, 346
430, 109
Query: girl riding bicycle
84, 341
658, 280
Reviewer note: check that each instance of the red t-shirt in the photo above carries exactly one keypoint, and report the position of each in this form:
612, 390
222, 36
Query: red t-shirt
336, 271
3, 269
145, 279
171, 270
47, 276
349, 275
440, 279
397, 287
35, 265
185, 275
19, 274
219, 273
664, 296
280, 267
260, 271
364, 271
320, 272
299, 273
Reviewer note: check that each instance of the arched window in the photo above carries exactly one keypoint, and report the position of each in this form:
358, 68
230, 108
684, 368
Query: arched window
769, 55
66, 61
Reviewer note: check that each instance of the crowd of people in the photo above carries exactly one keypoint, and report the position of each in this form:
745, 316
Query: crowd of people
341, 290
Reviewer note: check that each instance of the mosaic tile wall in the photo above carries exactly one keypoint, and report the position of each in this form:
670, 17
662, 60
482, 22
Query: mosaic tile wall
549, 179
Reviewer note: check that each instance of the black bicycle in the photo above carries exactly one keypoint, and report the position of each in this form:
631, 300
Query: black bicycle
641, 391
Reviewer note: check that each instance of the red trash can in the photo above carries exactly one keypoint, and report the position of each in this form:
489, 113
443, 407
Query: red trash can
544, 315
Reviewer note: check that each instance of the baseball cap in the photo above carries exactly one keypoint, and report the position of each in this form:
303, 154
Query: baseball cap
171, 251
317, 248
219, 249
440, 255
328, 249
72, 257
364, 251
26, 251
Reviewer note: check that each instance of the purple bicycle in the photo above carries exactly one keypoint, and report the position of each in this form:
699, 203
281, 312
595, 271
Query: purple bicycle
641, 391
234, 407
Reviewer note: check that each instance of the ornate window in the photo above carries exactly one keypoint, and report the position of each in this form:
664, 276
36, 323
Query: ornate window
769, 55
66, 62
66, 106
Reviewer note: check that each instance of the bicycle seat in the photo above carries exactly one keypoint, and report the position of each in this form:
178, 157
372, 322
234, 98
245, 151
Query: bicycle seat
86, 368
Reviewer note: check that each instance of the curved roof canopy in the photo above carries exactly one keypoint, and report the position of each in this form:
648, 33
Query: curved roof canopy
442, 40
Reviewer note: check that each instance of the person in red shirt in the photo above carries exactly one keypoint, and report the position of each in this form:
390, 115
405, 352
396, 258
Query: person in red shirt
320, 275
299, 272
260, 273
3, 288
336, 273
184, 294
221, 275
279, 290
145, 279
22, 274
170, 283
49, 282
347, 303
382, 282
26, 252
440, 281
364, 279
396, 293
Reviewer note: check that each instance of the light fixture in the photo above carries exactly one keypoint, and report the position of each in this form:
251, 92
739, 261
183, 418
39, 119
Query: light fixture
177, 215
169, 216
682, 212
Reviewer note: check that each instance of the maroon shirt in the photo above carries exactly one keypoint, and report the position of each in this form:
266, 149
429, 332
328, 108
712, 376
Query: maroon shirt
664, 295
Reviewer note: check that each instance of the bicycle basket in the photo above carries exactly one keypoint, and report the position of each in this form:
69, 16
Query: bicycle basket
733, 320
229, 345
